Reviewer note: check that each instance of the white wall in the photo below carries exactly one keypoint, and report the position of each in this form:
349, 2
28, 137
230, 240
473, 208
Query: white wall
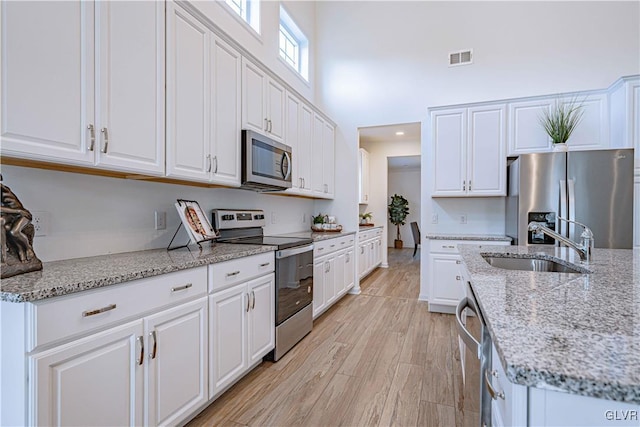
91, 215
386, 62
405, 182
379, 152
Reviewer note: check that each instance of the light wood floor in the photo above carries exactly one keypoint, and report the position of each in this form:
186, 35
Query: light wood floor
375, 359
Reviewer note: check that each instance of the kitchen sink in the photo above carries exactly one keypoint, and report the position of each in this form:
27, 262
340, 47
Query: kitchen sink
529, 264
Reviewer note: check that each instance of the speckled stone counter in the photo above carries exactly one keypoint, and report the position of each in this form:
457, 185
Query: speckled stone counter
320, 236
80, 274
579, 333
479, 237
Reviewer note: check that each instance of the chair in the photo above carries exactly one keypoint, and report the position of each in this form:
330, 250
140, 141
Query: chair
415, 230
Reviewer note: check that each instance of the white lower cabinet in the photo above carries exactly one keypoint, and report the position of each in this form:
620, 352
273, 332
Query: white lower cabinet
369, 251
333, 272
518, 405
97, 380
446, 286
241, 321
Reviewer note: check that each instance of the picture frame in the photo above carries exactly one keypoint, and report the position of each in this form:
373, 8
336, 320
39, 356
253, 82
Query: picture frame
195, 221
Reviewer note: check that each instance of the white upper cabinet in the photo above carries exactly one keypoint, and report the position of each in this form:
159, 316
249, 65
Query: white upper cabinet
468, 146
527, 135
298, 133
203, 102
625, 116
328, 159
323, 158
363, 169
263, 102
84, 83
486, 151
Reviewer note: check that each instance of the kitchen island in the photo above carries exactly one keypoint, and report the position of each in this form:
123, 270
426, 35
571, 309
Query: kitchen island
572, 332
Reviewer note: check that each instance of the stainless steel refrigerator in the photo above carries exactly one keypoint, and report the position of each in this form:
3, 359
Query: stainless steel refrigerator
591, 187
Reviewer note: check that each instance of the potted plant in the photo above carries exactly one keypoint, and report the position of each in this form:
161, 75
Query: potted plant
365, 217
560, 121
398, 211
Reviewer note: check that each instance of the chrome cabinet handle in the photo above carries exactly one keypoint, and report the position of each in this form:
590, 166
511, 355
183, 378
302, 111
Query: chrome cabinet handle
464, 185
208, 163
248, 302
265, 264
347, 259
362, 249
141, 342
266, 124
98, 311
458, 262
92, 136
270, 125
181, 288
154, 351
304, 185
448, 247
458, 278
105, 133
492, 392
253, 300
235, 273
215, 159
469, 185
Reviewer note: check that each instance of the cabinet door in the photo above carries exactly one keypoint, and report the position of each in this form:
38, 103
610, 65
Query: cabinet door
292, 137
176, 352
188, 96
262, 317
130, 86
328, 159
448, 139
363, 259
349, 270
317, 173
48, 80
254, 80
330, 280
97, 380
364, 175
226, 111
275, 110
486, 153
593, 130
340, 285
447, 285
227, 344
319, 301
305, 145
526, 135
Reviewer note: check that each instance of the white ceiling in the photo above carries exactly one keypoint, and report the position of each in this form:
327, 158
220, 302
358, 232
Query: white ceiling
388, 133
404, 162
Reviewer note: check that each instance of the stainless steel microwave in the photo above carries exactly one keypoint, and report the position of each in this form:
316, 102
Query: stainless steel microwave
266, 164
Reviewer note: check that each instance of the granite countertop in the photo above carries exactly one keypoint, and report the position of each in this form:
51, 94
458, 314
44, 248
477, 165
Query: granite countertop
578, 333
368, 227
80, 274
480, 237
318, 236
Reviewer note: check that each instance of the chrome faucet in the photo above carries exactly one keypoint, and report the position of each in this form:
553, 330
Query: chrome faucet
584, 248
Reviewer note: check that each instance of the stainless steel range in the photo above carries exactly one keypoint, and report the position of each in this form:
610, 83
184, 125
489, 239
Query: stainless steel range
294, 273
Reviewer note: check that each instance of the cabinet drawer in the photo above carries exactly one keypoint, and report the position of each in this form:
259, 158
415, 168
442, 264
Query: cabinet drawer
443, 246
500, 383
366, 235
228, 273
328, 246
68, 316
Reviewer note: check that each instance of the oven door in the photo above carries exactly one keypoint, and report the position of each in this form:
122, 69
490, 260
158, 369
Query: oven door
266, 163
294, 281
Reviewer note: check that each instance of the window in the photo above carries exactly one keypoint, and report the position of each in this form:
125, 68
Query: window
248, 10
294, 46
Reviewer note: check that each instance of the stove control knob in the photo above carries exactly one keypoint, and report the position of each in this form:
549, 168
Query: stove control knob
227, 217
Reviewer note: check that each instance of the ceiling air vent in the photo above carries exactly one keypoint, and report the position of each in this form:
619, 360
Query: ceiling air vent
463, 57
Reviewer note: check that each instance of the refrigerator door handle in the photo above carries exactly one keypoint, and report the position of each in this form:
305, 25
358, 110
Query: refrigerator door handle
563, 208
571, 188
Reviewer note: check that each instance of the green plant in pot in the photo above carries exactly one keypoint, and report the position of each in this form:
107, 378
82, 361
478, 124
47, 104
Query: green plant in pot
560, 121
398, 211
365, 217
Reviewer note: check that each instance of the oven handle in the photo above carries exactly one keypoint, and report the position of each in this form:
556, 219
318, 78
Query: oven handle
287, 174
466, 336
284, 253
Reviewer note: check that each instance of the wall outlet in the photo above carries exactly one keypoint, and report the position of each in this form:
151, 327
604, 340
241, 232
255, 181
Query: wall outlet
161, 220
463, 218
40, 222
434, 218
